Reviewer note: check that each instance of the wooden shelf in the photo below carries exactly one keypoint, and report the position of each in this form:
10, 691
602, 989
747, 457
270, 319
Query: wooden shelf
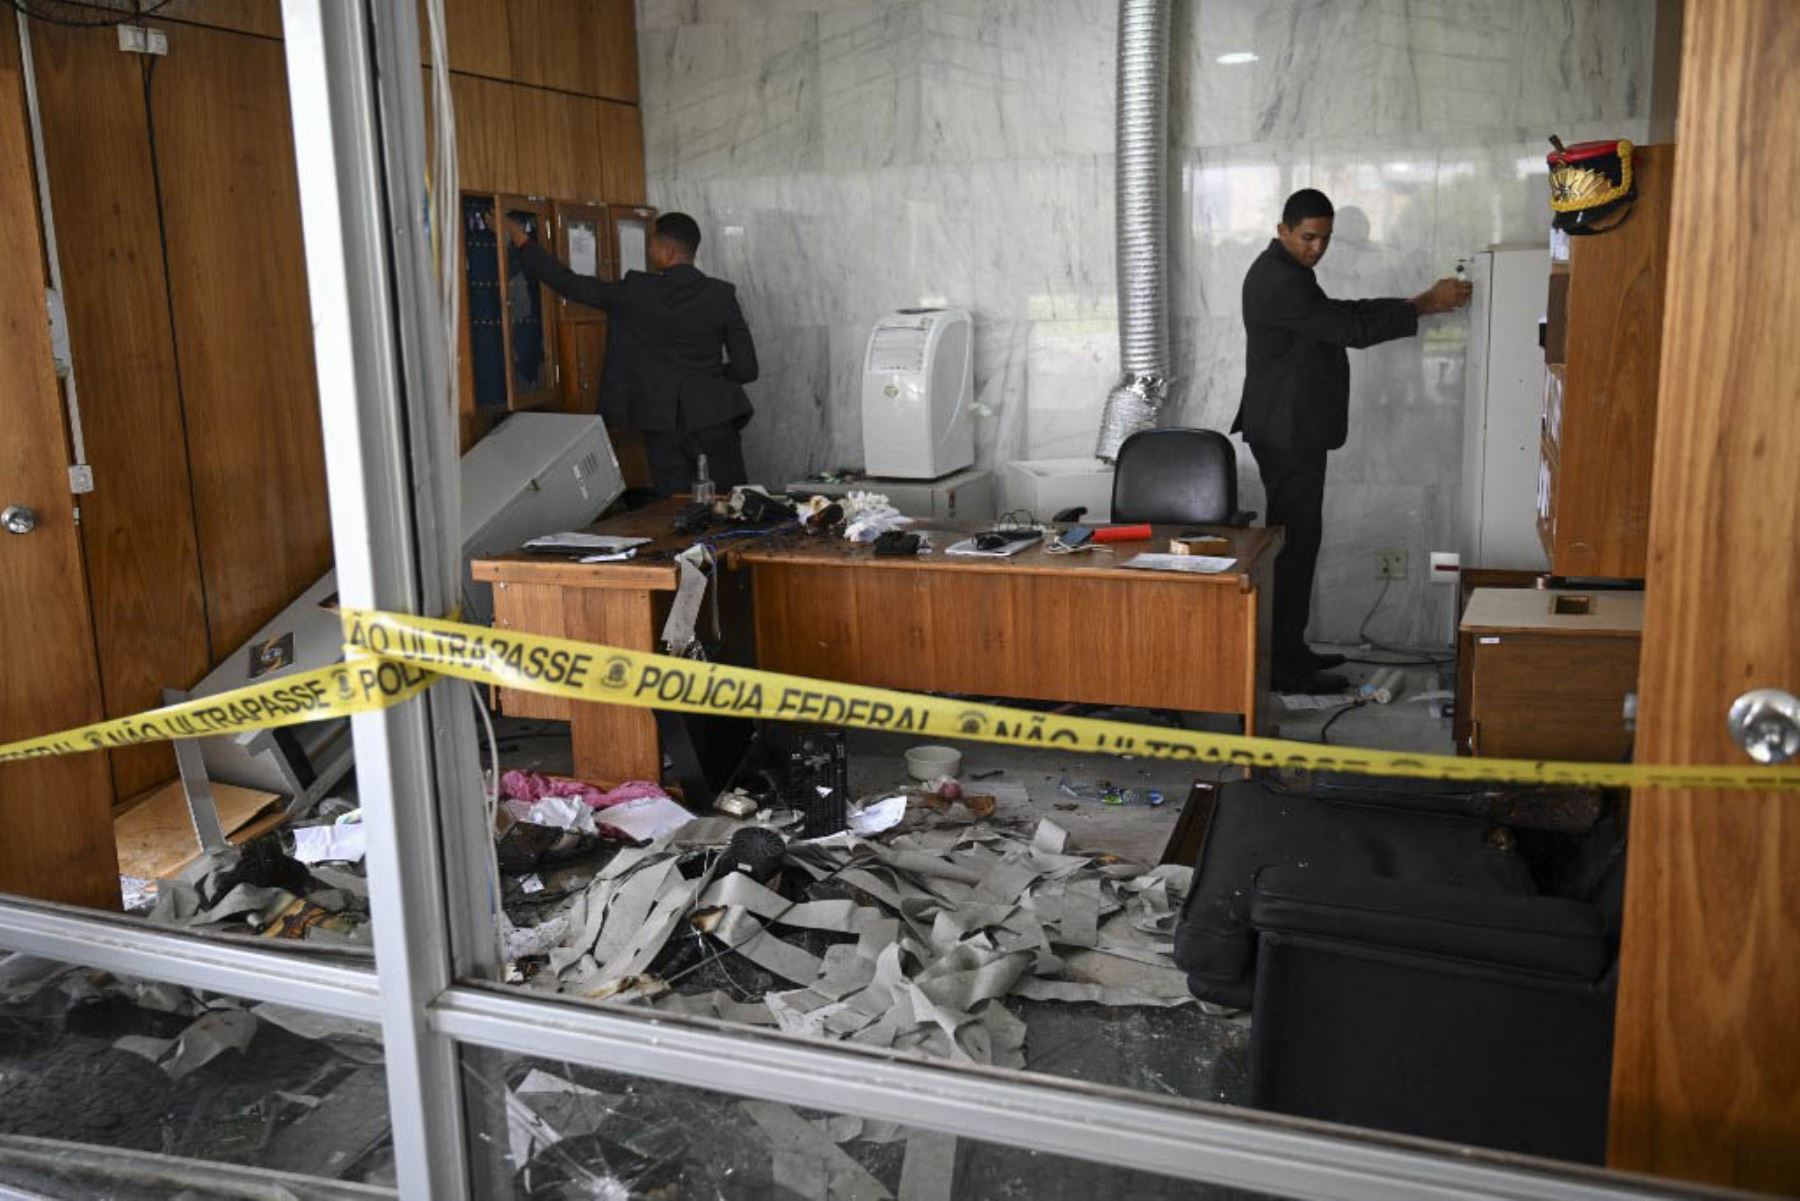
1602, 347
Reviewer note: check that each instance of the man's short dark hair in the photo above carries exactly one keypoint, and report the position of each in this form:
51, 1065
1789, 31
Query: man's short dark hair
1307, 202
680, 229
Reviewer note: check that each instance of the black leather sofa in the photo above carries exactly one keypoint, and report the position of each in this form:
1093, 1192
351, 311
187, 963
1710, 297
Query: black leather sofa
1416, 957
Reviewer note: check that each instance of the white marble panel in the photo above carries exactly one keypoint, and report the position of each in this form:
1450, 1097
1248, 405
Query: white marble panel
1583, 60
1017, 79
870, 63
1227, 204
1001, 380
1070, 366
1213, 103
1446, 65
1041, 237
731, 99
1317, 73
790, 435
1362, 519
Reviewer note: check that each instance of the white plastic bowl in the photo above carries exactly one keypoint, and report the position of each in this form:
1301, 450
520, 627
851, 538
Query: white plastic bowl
933, 762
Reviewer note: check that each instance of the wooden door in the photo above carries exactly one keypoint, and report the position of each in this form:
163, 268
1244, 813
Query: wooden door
56, 814
142, 552
1706, 1060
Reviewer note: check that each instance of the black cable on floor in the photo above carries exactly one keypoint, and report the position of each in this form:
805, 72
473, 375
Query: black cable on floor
1325, 730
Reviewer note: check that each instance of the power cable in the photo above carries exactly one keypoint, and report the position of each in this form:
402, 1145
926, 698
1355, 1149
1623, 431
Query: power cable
96, 14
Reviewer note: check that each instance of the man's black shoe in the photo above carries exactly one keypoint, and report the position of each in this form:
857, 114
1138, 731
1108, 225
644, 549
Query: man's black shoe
1322, 660
1306, 680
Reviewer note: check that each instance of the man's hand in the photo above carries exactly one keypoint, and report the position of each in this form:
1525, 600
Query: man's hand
515, 233
1442, 297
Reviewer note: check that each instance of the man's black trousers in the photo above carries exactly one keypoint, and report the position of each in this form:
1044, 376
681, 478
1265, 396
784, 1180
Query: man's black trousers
675, 458
1294, 485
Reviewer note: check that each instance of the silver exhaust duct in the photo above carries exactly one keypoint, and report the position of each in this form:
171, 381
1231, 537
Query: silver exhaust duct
1141, 190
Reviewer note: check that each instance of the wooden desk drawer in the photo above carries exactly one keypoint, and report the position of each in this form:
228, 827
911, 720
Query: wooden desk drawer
1550, 696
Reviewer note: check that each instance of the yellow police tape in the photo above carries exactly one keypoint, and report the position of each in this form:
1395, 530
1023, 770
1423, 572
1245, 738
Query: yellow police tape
361, 685
395, 656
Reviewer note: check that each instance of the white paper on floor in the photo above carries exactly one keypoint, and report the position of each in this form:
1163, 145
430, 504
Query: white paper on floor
949, 922
880, 815
330, 844
645, 819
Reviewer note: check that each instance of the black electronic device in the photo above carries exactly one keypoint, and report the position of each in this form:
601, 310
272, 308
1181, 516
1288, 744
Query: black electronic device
693, 518
1066, 516
897, 544
816, 780
1077, 536
1001, 539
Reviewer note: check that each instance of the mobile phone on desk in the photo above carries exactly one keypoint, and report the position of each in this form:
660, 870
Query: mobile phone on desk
1077, 535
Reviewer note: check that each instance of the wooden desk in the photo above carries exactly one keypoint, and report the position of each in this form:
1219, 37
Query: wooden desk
620, 604
1039, 626
1036, 626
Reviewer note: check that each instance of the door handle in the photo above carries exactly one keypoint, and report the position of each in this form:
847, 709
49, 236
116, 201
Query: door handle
18, 519
1766, 723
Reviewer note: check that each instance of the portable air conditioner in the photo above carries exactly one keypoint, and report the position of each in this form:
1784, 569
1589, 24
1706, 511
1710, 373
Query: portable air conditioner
917, 394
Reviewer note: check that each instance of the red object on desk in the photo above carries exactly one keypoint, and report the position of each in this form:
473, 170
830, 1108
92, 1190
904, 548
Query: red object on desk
1122, 533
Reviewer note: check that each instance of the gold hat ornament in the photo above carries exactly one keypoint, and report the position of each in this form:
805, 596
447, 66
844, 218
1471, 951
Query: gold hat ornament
1589, 183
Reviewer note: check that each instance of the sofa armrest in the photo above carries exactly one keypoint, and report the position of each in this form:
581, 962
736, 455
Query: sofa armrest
1540, 934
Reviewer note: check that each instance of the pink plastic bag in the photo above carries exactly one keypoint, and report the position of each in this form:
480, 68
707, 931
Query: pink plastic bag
531, 786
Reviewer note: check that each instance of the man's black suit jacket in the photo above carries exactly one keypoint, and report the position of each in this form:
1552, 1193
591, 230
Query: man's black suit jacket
678, 351
1296, 374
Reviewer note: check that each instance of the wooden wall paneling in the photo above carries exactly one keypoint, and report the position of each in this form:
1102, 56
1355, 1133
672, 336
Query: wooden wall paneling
486, 134
552, 135
478, 34
587, 158
1706, 1059
243, 326
137, 524
621, 133
260, 17
613, 65
57, 813
552, 42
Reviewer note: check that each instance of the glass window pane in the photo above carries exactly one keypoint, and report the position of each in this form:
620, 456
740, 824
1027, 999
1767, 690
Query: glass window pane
133, 1084
1042, 921
557, 1130
525, 315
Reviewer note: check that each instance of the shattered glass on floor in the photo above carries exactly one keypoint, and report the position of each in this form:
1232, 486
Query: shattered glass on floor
129, 1066
570, 1132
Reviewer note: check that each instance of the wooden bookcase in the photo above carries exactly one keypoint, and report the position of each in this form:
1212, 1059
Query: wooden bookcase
1602, 345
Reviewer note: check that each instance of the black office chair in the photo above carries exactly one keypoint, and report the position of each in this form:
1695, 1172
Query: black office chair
1177, 477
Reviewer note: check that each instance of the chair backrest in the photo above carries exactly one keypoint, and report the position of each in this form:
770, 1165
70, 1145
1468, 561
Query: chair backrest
1177, 477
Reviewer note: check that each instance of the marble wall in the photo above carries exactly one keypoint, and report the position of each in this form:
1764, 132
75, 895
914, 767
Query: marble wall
847, 157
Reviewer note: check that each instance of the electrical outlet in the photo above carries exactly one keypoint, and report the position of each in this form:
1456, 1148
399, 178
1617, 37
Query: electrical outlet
141, 39
1390, 565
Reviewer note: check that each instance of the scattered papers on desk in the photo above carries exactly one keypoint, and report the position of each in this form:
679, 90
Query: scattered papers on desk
1192, 564
629, 552
645, 819
599, 544
967, 547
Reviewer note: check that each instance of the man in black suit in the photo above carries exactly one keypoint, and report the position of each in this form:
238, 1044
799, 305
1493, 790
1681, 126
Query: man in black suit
1296, 406
678, 353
